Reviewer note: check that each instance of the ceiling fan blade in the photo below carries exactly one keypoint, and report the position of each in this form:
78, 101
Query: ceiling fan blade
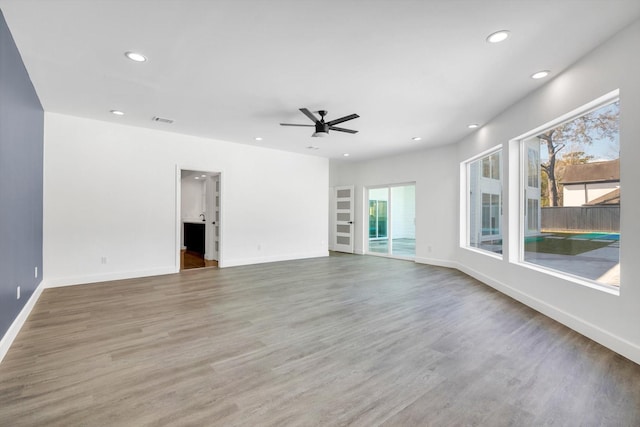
343, 119
291, 124
342, 129
309, 114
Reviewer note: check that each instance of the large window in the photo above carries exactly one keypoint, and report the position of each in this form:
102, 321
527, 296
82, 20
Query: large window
484, 202
571, 189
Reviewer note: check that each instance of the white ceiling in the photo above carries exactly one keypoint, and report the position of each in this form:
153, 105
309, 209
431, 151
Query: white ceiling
234, 69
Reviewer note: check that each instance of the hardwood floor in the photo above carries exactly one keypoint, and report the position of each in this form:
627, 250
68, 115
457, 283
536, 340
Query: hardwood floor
193, 260
343, 340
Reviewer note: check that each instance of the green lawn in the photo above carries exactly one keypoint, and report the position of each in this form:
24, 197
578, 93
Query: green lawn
562, 246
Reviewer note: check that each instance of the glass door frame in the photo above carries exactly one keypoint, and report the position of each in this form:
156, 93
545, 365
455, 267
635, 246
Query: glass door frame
390, 231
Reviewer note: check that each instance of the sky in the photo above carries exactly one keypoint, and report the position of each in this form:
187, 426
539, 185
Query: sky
601, 149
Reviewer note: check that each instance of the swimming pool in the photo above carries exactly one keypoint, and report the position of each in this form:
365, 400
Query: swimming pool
614, 237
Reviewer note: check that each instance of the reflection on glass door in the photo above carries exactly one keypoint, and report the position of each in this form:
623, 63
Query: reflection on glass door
392, 221
377, 219
378, 226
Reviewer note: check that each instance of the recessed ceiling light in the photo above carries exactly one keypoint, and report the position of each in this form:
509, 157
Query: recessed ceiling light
117, 112
498, 36
196, 177
134, 56
346, 154
416, 138
540, 74
473, 125
258, 138
203, 176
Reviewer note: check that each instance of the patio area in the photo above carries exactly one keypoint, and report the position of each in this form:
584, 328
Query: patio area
594, 256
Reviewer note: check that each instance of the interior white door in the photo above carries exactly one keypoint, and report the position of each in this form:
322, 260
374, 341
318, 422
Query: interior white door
216, 218
343, 219
213, 217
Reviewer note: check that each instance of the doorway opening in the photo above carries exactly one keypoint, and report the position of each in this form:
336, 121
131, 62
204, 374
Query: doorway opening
392, 221
199, 219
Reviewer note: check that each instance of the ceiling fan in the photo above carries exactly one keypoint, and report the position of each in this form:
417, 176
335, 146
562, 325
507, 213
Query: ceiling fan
322, 127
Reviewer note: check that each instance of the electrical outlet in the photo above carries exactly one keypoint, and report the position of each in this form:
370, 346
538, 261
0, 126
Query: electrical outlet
36, 272
103, 260
18, 292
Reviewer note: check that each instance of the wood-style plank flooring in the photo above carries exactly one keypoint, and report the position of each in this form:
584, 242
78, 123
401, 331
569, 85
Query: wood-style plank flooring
193, 260
342, 340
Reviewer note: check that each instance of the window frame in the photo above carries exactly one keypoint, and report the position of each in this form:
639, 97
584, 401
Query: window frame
465, 198
517, 199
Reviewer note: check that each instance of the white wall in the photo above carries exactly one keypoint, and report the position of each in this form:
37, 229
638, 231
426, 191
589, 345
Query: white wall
403, 212
597, 189
574, 194
110, 192
192, 198
436, 194
609, 319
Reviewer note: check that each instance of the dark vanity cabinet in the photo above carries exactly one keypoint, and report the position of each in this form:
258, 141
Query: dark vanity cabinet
194, 237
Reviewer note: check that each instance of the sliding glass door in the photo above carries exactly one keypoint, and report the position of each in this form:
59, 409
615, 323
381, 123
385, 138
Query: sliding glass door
378, 213
392, 229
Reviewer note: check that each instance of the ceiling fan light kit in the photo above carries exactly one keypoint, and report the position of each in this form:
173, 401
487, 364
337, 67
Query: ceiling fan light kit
322, 128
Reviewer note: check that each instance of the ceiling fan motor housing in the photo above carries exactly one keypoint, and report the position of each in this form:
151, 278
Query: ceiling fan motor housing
321, 128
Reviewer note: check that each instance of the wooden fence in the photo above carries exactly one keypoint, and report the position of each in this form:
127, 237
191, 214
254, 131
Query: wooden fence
581, 218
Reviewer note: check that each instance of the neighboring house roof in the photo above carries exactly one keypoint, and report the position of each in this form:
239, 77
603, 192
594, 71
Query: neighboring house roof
592, 172
611, 198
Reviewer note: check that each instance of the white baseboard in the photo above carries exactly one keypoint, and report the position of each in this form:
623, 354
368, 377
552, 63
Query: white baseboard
356, 251
14, 329
613, 342
275, 258
438, 262
95, 278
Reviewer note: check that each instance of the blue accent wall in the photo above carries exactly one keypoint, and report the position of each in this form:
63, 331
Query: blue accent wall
21, 153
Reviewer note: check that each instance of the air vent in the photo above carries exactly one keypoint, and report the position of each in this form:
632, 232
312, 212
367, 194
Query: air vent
311, 147
162, 120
